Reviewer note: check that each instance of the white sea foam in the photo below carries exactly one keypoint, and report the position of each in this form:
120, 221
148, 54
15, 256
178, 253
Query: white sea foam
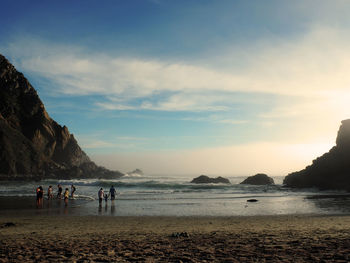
147, 195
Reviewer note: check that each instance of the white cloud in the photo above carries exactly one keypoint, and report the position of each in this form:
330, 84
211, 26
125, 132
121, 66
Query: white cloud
94, 141
312, 70
313, 64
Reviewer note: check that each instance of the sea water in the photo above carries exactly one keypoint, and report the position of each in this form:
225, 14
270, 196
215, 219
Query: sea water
174, 196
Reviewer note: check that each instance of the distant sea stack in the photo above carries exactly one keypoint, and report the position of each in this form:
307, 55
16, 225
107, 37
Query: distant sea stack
136, 172
32, 145
259, 179
331, 170
203, 179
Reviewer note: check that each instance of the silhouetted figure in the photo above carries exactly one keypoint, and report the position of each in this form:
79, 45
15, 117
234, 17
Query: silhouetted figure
50, 193
39, 196
112, 192
100, 196
73, 190
59, 193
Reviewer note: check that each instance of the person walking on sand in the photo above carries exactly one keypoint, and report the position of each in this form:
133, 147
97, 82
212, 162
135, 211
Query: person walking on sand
59, 193
112, 192
100, 196
39, 196
73, 190
50, 193
66, 196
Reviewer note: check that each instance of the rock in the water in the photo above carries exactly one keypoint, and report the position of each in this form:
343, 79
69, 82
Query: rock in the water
331, 170
32, 145
259, 179
135, 172
203, 179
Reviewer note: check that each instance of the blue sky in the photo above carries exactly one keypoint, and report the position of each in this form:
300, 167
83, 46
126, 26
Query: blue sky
188, 87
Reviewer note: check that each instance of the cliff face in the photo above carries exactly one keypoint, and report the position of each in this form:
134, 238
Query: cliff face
31, 143
331, 170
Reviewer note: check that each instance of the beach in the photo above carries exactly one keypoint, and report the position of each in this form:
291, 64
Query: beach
286, 238
171, 220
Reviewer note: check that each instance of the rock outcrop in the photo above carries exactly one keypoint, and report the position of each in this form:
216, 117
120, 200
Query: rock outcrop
32, 145
331, 170
135, 172
258, 179
203, 179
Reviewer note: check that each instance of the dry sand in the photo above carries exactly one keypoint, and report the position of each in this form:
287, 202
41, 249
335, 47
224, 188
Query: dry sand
306, 238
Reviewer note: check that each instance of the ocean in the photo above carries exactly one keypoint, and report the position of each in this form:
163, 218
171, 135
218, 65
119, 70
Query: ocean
173, 196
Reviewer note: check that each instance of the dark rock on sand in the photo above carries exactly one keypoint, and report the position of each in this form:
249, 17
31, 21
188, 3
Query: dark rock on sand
252, 200
203, 179
32, 145
182, 234
8, 224
331, 170
259, 179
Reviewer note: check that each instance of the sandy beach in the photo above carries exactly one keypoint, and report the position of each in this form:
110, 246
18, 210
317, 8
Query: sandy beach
296, 238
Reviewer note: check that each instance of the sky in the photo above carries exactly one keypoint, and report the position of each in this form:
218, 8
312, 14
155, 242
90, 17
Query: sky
188, 87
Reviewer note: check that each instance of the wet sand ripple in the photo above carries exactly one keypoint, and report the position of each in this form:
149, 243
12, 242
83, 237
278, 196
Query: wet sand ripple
208, 241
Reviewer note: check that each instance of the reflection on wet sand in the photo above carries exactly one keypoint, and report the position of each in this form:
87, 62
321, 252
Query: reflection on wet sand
332, 203
112, 208
106, 211
100, 208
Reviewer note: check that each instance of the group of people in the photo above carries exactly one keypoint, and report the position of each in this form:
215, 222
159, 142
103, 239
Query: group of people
102, 195
40, 194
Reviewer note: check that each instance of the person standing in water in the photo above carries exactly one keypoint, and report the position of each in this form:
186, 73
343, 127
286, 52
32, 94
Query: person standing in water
100, 196
59, 193
112, 192
39, 196
73, 190
66, 196
50, 193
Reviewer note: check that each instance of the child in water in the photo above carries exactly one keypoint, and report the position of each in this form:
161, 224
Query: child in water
66, 196
106, 197
39, 196
50, 193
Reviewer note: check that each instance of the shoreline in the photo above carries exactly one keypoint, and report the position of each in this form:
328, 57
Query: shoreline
287, 238
332, 205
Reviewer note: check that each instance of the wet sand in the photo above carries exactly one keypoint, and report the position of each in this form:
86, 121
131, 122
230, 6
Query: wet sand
306, 238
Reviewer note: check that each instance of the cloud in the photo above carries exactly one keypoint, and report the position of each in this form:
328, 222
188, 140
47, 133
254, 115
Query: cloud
308, 73
93, 142
307, 66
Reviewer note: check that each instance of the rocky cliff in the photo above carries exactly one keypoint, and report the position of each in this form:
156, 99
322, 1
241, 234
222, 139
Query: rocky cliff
331, 170
32, 145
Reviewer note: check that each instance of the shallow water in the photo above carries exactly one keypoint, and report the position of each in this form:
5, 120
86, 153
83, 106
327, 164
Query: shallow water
172, 196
